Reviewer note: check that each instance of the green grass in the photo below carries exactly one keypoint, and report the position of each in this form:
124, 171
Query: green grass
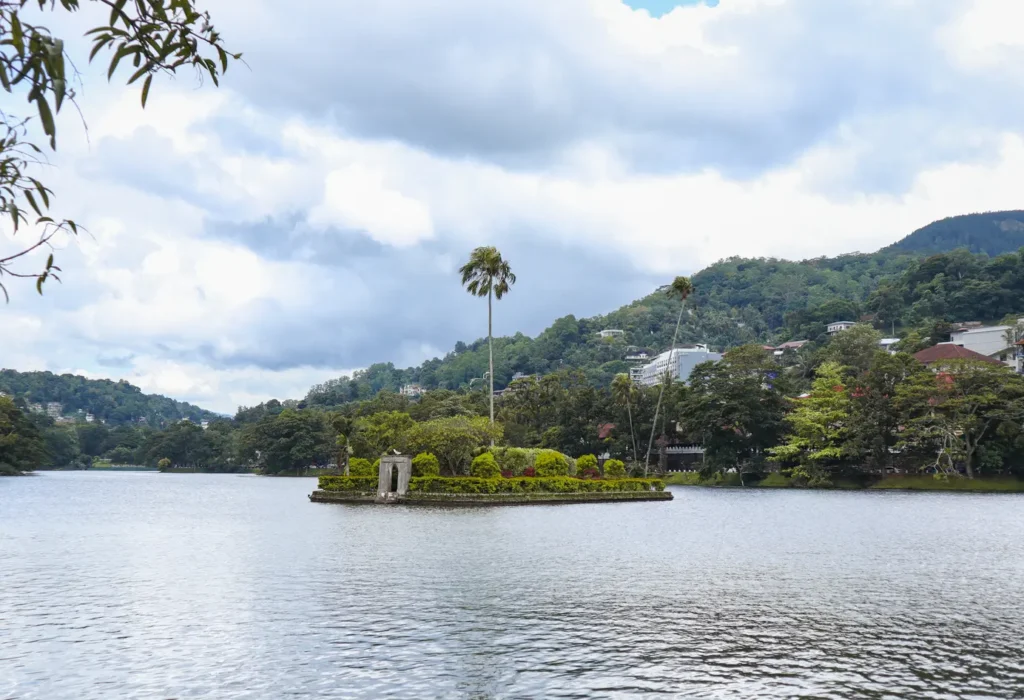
693, 479
954, 483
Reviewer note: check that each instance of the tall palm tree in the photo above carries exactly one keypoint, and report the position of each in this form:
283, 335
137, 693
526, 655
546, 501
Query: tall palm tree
623, 390
681, 288
487, 274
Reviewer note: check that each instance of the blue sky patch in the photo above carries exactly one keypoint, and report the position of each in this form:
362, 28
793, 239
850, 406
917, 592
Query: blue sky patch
657, 8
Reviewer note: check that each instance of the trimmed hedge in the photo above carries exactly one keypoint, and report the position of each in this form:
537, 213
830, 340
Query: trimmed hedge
558, 484
614, 469
551, 463
361, 467
362, 484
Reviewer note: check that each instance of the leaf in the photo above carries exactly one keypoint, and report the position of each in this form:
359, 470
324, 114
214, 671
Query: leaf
32, 202
17, 34
139, 73
49, 261
39, 283
46, 116
118, 9
145, 89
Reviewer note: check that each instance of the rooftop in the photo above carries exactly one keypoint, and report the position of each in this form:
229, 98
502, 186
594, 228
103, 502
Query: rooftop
950, 351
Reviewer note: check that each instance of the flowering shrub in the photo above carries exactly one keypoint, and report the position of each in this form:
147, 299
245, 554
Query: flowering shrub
485, 467
530, 472
425, 464
586, 467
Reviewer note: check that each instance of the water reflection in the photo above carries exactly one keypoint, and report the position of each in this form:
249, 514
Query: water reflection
151, 585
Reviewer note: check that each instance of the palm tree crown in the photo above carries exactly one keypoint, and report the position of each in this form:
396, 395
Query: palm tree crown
487, 272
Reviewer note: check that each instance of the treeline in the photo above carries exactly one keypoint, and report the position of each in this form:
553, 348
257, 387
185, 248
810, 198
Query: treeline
116, 403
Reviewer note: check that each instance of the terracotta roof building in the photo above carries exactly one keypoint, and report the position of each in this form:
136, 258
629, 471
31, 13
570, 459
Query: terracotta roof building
944, 352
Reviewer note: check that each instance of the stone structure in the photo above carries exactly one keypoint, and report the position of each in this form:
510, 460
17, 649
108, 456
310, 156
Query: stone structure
393, 478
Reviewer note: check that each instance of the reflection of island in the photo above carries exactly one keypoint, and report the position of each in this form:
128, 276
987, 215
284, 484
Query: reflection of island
394, 483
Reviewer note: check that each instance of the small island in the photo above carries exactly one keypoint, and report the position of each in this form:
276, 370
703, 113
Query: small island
395, 483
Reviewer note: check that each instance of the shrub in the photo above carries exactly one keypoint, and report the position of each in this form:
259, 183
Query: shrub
586, 462
425, 464
529, 472
614, 469
485, 467
514, 460
551, 463
361, 484
164, 464
361, 467
520, 485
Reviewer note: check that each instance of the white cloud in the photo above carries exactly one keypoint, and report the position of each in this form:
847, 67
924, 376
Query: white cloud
248, 242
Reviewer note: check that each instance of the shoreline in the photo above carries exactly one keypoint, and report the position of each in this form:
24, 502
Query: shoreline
419, 498
889, 483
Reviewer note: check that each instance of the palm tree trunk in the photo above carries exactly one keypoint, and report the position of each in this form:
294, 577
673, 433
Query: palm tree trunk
490, 354
661, 394
632, 433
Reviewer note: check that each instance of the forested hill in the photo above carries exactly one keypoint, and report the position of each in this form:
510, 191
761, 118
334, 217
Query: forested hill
992, 233
739, 301
114, 402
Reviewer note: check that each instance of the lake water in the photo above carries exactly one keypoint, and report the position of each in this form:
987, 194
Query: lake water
124, 585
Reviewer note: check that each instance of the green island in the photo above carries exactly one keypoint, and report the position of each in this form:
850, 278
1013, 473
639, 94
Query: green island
825, 373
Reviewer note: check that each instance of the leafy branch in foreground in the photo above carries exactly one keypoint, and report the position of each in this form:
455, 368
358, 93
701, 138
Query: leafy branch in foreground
152, 36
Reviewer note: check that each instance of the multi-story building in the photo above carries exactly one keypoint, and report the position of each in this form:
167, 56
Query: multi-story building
840, 326
54, 409
411, 390
611, 333
676, 364
996, 342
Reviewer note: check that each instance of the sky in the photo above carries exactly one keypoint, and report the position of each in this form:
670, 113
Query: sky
309, 217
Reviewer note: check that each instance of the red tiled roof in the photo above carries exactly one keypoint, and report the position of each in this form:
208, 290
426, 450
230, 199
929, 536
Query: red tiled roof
949, 351
605, 430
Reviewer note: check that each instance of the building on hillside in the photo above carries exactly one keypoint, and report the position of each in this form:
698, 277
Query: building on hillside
411, 390
611, 333
789, 346
204, 424
89, 418
996, 342
638, 356
840, 326
676, 364
520, 375
636, 374
937, 355
36, 408
54, 409
887, 344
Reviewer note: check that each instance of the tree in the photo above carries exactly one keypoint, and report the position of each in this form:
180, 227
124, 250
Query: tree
680, 288
380, 433
290, 441
953, 410
21, 445
818, 426
487, 274
152, 36
854, 348
623, 391
453, 440
875, 414
736, 407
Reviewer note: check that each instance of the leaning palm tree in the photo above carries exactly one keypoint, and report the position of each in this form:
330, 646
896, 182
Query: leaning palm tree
622, 391
681, 287
487, 274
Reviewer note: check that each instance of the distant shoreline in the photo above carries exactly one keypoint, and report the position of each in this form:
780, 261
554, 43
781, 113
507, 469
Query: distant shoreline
889, 483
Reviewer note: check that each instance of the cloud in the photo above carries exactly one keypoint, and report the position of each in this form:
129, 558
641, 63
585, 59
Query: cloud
309, 217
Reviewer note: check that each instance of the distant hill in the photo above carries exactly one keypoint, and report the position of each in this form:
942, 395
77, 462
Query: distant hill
991, 233
115, 402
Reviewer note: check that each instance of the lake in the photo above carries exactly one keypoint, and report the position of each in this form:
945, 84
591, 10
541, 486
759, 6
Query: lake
143, 585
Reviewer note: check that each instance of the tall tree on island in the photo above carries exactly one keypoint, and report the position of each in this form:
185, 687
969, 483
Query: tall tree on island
623, 391
487, 274
681, 287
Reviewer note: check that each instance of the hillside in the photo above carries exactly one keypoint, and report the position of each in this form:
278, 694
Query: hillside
114, 402
991, 233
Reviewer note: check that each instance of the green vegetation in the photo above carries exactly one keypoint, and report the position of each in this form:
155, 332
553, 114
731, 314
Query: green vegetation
115, 403
22, 447
485, 467
425, 464
550, 463
992, 233
614, 469
160, 36
932, 483
477, 485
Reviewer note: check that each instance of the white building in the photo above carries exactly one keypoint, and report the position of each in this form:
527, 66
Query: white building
887, 343
204, 424
611, 333
54, 409
636, 374
991, 341
840, 326
89, 418
411, 390
677, 364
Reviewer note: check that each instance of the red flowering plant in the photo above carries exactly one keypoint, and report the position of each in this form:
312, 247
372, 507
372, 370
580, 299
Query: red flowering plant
529, 471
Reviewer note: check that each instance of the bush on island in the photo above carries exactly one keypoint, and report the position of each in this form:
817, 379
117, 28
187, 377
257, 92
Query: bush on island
485, 466
551, 463
586, 467
425, 464
517, 485
361, 467
614, 469
164, 464
514, 460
